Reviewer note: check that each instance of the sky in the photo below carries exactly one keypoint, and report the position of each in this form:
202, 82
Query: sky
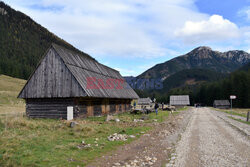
133, 35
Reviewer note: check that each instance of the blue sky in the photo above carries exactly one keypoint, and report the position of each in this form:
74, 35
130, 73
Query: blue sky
134, 35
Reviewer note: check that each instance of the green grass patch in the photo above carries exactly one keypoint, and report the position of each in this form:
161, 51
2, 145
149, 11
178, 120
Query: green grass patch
239, 120
48, 142
238, 112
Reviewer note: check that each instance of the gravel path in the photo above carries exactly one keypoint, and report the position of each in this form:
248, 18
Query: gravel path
238, 125
209, 140
152, 148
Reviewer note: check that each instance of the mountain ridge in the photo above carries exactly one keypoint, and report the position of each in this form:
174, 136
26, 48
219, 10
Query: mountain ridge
201, 57
23, 42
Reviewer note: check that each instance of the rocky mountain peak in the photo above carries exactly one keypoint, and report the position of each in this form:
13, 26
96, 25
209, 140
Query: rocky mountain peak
203, 48
202, 52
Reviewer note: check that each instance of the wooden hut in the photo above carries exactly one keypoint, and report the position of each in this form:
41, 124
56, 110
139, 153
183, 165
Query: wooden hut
223, 104
145, 103
68, 78
179, 100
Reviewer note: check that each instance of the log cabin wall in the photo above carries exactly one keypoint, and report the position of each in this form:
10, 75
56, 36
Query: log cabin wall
48, 108
57, 107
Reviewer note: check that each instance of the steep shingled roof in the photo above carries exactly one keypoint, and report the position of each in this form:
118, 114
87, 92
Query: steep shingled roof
82, 66
179, 100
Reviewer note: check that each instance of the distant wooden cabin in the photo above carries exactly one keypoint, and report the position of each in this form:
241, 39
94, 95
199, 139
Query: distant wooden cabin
145, 102
63, 78
223, 104
179, 100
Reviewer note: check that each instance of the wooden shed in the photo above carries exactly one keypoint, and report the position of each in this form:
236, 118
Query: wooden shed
179, 100
68, 78
223, 104
145, 103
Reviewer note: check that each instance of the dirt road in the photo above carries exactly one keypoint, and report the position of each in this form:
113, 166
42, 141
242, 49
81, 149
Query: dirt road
152, 149
210, 141
195, 137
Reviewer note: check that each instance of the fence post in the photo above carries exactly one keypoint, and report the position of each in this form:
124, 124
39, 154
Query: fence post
248, 113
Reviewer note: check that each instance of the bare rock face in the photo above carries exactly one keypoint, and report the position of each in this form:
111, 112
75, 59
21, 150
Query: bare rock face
3, 11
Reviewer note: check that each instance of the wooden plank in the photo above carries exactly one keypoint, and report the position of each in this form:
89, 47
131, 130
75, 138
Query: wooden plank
49, 81
90, 111
107, 106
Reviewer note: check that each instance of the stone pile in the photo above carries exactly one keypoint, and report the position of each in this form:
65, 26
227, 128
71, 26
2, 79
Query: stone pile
112, 118
83, 145
138, 120
172, 160
115, 137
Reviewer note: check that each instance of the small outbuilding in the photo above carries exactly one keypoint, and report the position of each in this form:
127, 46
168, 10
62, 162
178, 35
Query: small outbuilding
223, 104
68, 78
179, 100
145, 102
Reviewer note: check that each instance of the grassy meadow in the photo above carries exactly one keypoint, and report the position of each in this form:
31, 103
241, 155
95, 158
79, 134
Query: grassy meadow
9, 89
51, 142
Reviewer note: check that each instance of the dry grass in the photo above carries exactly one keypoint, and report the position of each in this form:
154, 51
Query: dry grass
9, 90
11, 84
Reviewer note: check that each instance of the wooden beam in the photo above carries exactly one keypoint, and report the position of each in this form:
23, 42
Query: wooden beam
90, 109
107, 106
117, 107
104, 112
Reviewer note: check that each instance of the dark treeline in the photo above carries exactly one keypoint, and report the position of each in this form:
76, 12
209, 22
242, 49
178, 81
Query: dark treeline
22, 43
237, 83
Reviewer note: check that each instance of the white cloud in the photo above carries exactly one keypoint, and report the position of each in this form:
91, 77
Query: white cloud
245, 12
215, 28
248, 51
135, 28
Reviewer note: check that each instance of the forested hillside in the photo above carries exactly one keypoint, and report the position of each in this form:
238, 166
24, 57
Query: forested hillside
22, 42
237, 83
190, 77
